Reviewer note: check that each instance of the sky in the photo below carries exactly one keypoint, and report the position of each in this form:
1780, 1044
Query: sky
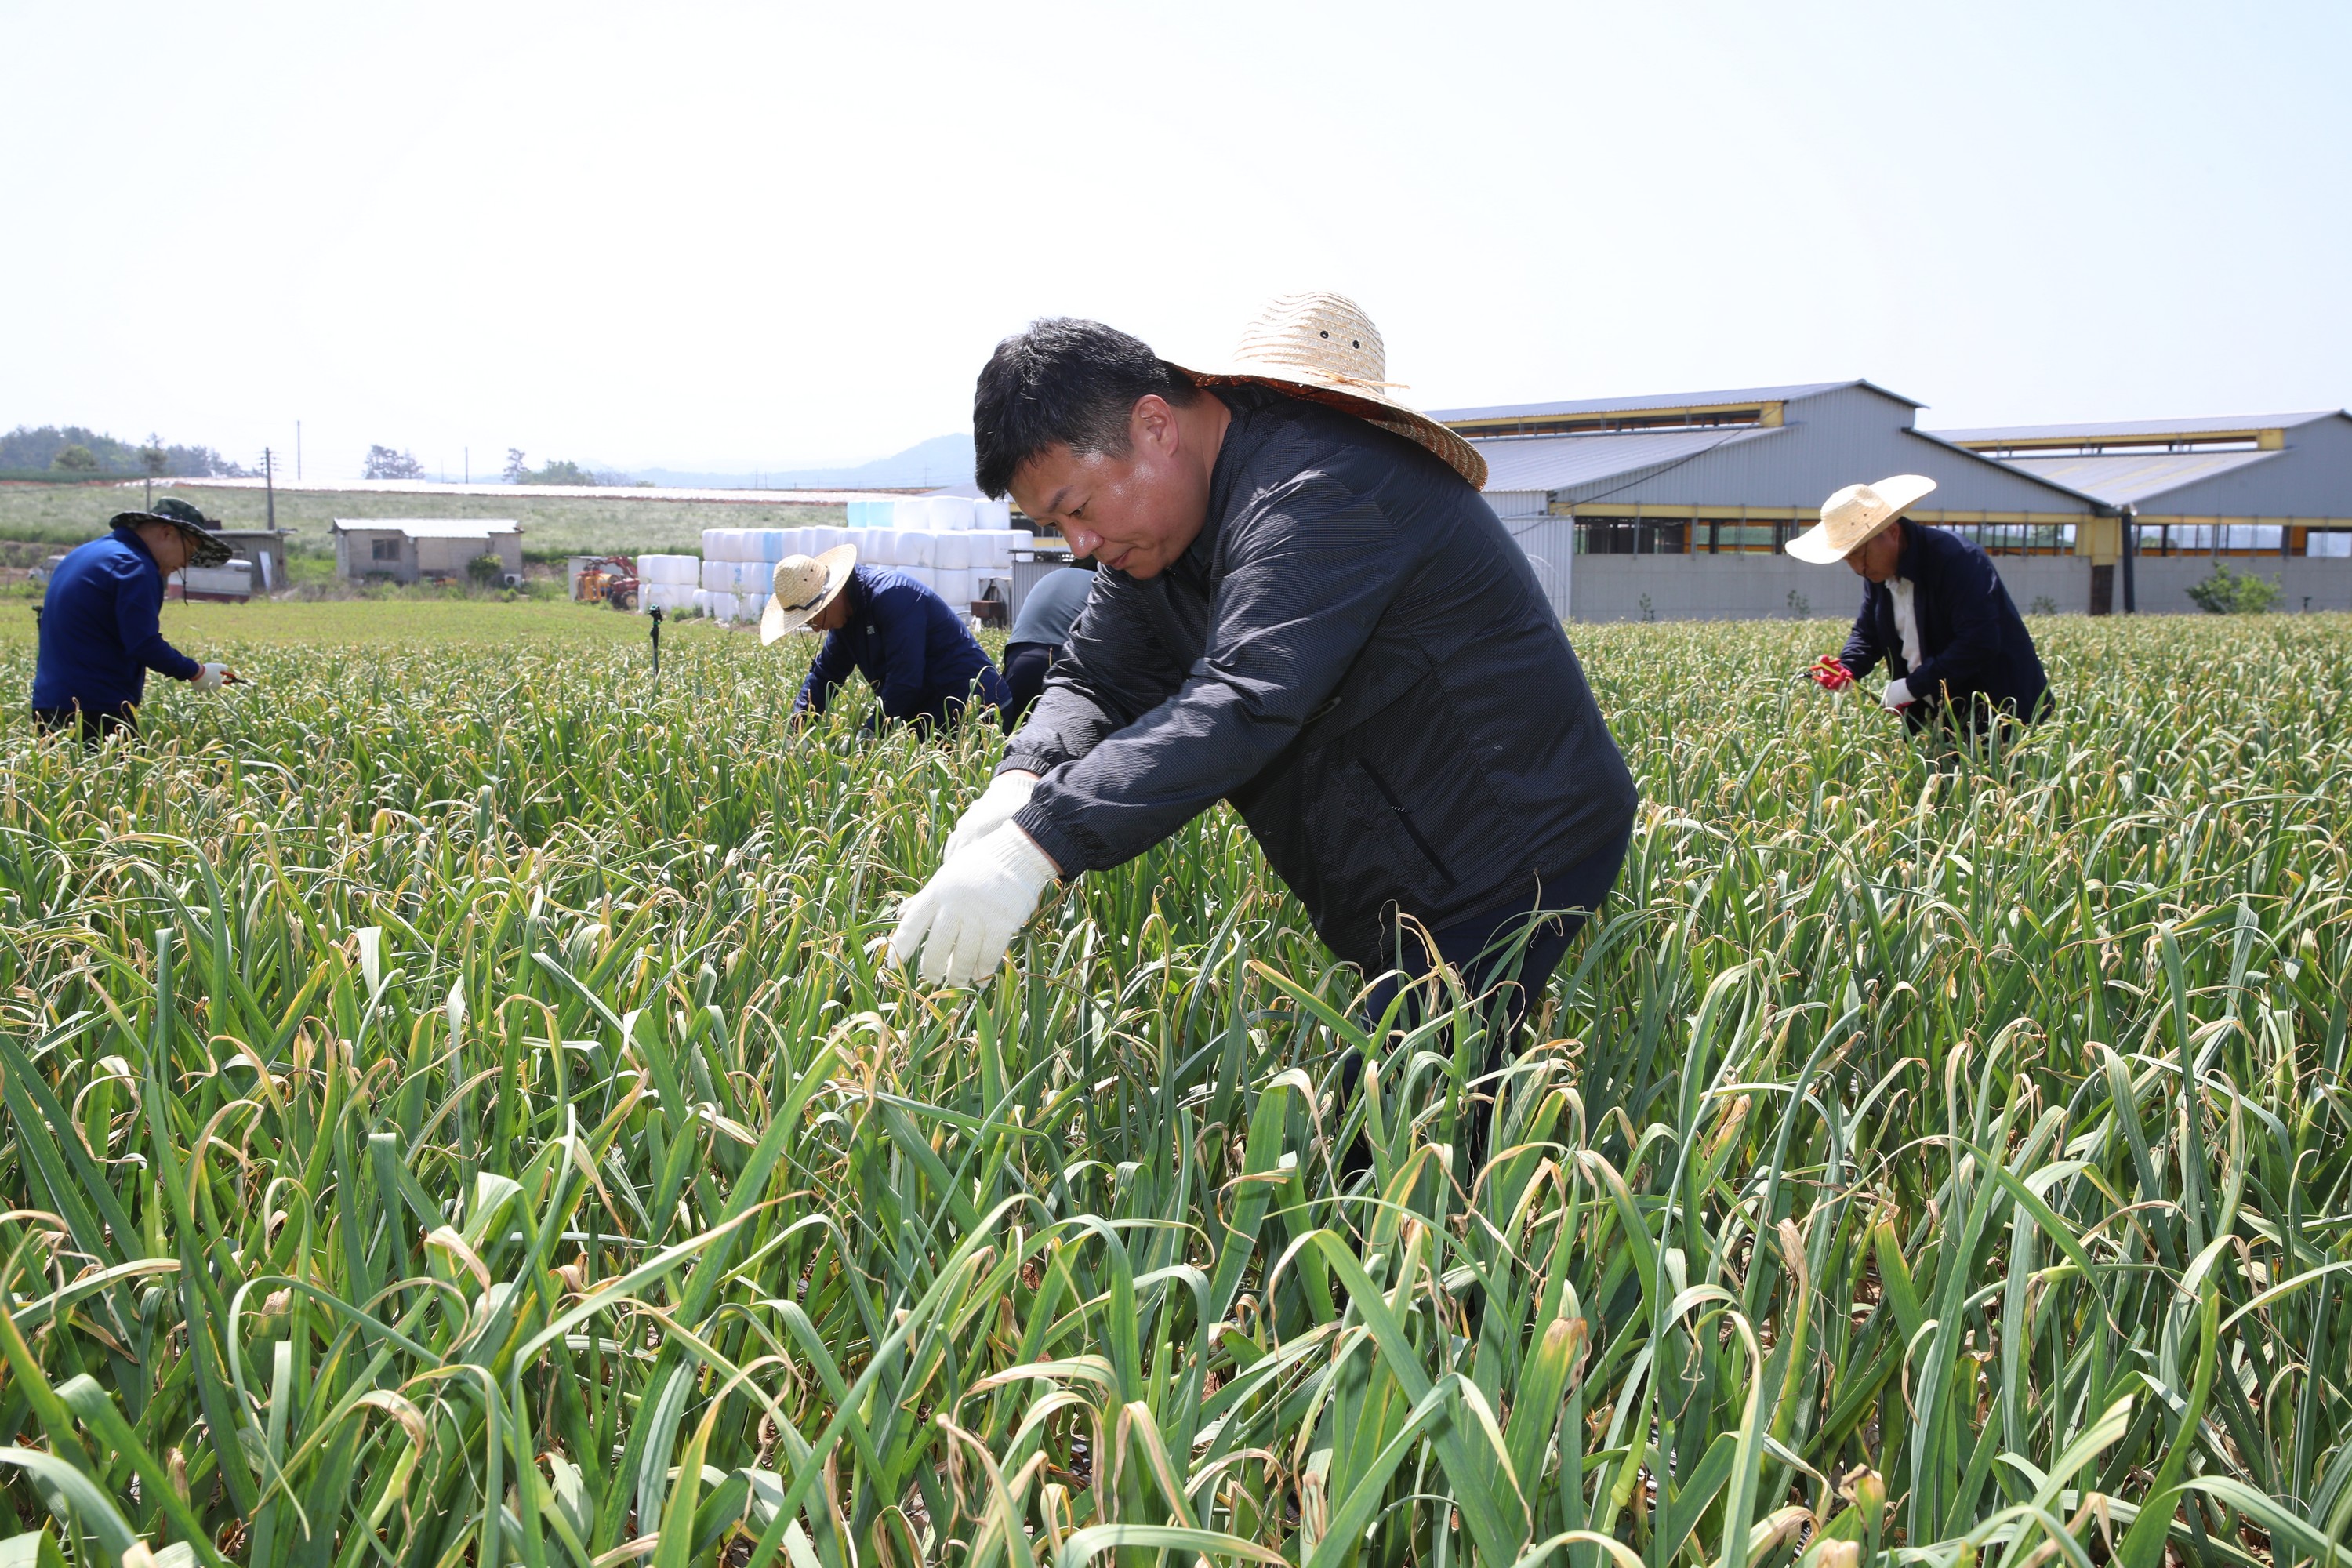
722, 237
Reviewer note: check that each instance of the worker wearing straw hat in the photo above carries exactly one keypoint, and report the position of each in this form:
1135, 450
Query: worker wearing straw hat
1306, 609
1933, 607
101, 622
922, 661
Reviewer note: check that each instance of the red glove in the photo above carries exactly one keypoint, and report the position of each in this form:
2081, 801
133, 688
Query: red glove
1829, 675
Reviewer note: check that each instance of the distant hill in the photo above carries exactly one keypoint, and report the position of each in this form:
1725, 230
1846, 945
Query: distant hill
941, 460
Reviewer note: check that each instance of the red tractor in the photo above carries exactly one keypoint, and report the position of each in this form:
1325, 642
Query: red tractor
612, 578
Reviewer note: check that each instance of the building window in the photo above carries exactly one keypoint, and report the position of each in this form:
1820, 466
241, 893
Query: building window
384, 549
1630, 536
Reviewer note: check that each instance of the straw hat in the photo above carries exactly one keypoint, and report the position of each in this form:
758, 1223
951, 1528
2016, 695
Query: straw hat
1854, 515
1324, 348
802, 586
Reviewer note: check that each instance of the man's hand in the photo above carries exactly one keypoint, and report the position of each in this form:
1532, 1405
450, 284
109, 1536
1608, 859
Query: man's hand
1896, 697
1831, 674
213, 676
968, 913
1006, 795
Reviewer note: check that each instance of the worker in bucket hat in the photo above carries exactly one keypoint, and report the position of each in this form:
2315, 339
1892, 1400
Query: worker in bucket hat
1303, 608
922, 661
101, 621
1933, 607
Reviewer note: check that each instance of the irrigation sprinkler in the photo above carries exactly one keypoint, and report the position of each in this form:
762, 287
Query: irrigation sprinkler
656, 614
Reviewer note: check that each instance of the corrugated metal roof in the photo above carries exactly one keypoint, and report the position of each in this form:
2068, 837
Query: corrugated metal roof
2125, 479
1564, 462
431, 527
1731, 397
2217, 425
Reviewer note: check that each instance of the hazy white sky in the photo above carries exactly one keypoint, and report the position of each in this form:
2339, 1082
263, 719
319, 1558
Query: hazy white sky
716, 236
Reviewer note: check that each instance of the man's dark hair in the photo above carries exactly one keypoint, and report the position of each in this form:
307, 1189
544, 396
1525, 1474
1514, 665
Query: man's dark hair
1063, 382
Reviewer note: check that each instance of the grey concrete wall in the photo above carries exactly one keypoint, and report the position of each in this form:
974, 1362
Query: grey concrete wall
1757, 587
2164, 582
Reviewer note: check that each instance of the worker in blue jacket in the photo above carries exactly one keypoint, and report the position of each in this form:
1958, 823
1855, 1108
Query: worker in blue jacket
101, 622
915, 651
1933, 607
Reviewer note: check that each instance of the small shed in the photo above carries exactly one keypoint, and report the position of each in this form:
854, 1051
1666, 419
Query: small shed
413, 550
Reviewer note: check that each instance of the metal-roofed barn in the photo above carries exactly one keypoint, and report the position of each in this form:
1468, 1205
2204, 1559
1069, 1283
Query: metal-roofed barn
2273, 492
1676, 506
413, 550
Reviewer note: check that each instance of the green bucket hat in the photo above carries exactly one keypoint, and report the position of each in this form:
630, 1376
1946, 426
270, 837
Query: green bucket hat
205, 548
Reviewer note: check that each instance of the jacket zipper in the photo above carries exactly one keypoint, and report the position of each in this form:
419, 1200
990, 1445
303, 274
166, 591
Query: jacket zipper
1404, 817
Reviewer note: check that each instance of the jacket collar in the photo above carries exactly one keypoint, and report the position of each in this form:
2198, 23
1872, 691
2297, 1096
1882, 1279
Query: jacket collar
1907, 561
1257, 411
130, 537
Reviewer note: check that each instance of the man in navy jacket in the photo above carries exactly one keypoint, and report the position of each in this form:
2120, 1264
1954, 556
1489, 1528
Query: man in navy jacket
101, 622
1933, 607
912, 647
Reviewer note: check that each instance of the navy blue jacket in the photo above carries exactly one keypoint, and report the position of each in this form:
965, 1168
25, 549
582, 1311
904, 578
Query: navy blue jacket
1354, 654
101, 628
913, 649
1973, 646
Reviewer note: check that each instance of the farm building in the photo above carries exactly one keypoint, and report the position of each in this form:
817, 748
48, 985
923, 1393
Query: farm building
2272, 491
412, 550
1675, 507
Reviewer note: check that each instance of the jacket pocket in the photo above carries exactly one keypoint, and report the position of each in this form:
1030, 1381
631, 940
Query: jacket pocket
1395, 809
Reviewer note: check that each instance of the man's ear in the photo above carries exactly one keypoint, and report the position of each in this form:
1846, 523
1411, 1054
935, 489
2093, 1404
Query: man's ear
1152, 424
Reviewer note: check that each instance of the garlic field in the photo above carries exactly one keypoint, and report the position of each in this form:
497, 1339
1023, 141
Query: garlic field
457, 1111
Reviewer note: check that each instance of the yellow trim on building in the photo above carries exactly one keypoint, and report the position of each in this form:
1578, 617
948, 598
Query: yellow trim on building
1771, 415
2268, 440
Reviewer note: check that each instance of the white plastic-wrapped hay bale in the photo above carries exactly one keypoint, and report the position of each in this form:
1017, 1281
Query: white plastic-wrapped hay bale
951, 552
922, 574
878, 547
951, 514
955, 585
989, 515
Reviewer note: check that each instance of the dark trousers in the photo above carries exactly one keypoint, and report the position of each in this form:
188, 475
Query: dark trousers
1026, 666
1505, 959
96, 725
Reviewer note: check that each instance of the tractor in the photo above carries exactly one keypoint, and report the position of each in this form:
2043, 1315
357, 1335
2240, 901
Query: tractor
612, 578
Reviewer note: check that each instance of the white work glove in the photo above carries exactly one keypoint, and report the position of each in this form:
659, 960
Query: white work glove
211, 678
1005, 795
968, 913
1896, 697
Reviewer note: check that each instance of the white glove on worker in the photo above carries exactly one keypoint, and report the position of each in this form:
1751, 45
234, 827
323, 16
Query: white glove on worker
1896, 697
968, 913
1005, 795
212, 677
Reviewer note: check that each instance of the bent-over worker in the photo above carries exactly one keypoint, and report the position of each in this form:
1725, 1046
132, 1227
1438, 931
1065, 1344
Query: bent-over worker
1933, 607
1034, 645
101, 622
1304, 608
916, 652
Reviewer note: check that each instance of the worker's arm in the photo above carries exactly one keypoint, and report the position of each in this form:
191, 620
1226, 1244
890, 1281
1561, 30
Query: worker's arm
1863, 651
828, 669
1112, 670
139, 621
1308, 580
904, 618
1970, 590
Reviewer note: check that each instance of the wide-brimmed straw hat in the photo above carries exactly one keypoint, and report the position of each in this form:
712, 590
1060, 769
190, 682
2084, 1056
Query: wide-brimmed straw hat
206, 549
1324, 347
802, 586
1851, 517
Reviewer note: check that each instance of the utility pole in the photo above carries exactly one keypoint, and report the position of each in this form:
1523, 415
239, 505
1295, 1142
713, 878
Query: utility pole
269, 486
